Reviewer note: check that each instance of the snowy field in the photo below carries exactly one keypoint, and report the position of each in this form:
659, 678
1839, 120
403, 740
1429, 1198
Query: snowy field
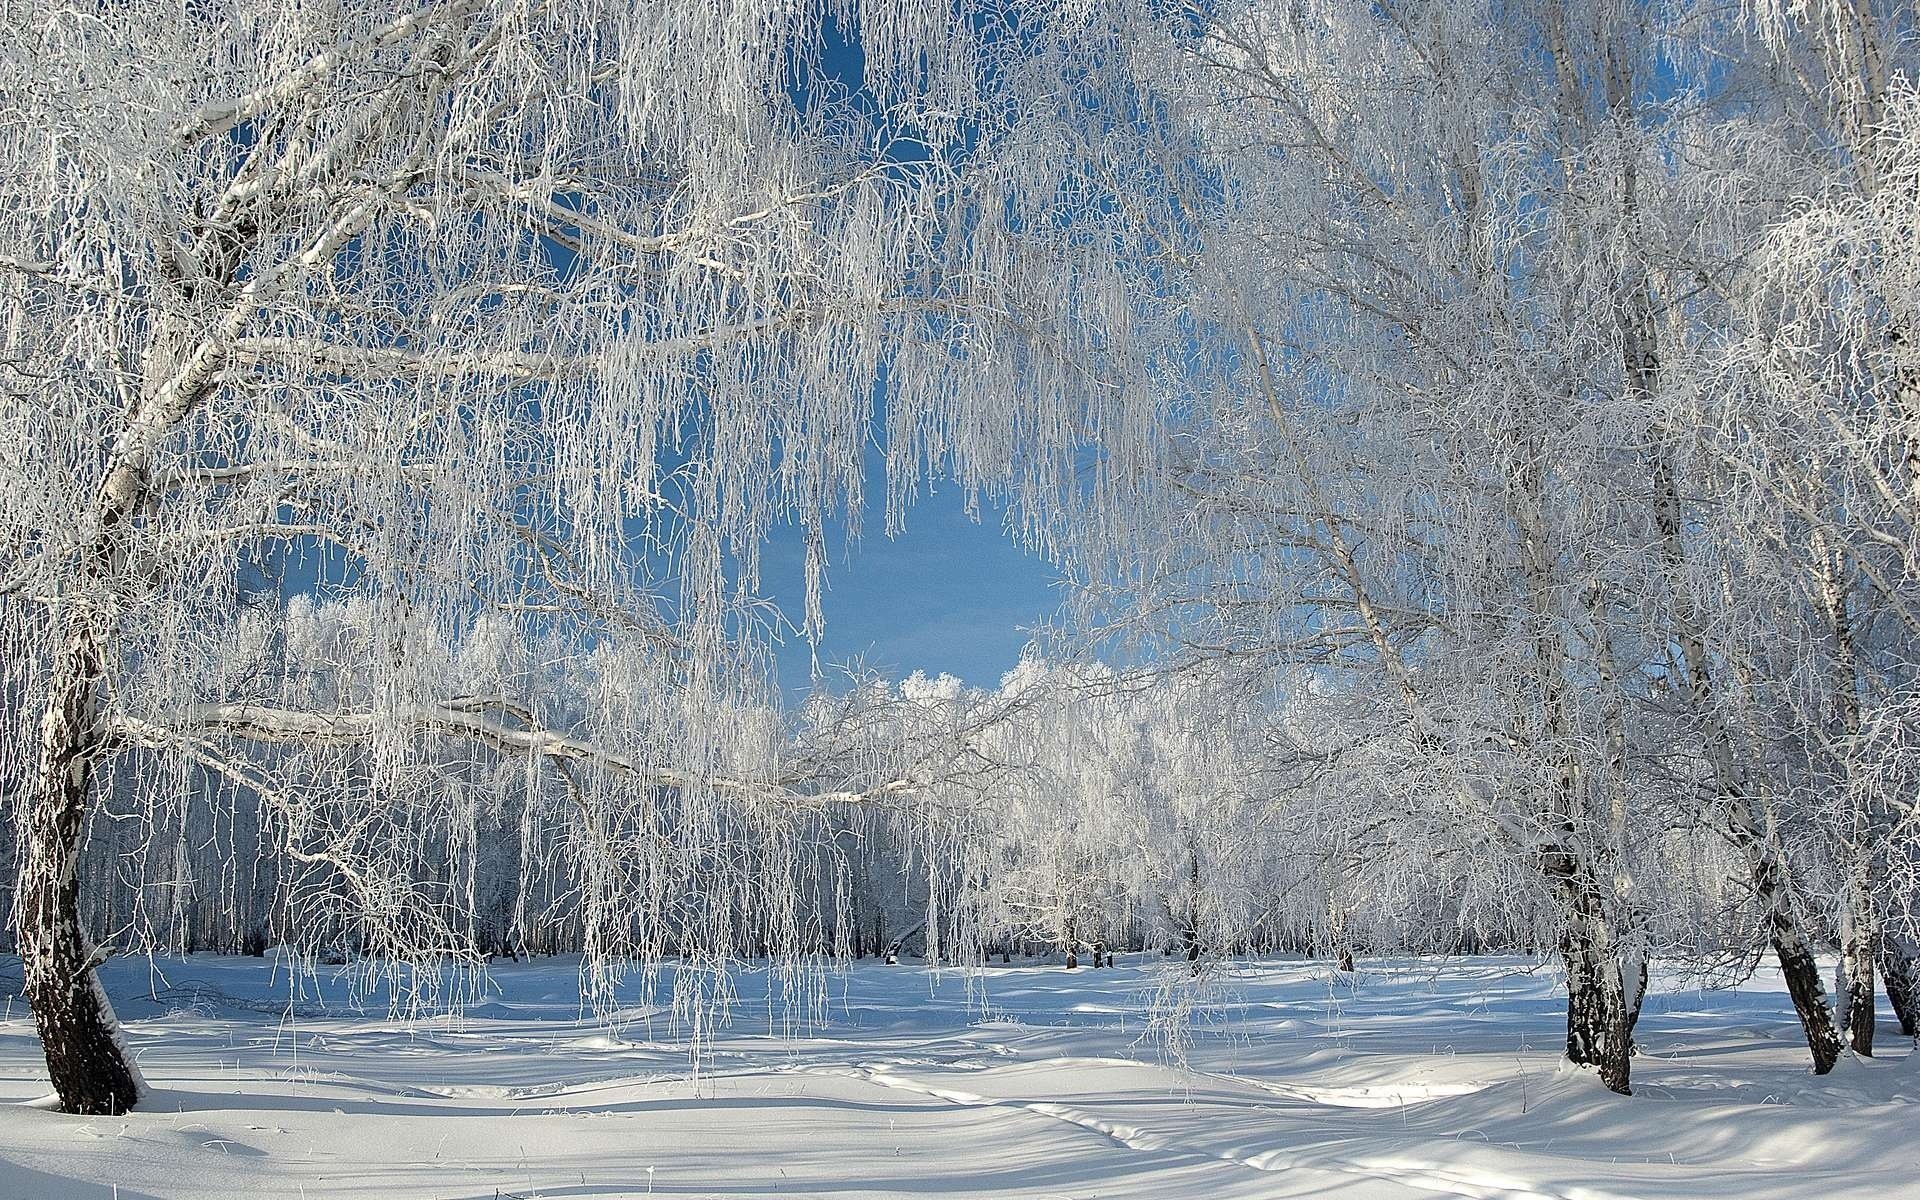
1418, 1078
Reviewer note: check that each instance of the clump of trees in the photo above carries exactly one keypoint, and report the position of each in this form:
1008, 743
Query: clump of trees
1545, 401
1483, 435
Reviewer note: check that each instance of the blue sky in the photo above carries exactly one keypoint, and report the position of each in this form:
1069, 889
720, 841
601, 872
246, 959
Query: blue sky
947, 594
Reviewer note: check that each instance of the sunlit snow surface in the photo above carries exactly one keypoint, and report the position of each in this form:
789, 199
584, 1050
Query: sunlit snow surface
1414, 1078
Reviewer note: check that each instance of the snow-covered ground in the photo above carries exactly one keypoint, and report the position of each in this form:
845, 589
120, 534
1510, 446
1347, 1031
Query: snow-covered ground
1416, 1078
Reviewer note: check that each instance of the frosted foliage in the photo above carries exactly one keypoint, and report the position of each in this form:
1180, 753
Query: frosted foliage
1542, 460
508, 331
1483, 439
1076, 810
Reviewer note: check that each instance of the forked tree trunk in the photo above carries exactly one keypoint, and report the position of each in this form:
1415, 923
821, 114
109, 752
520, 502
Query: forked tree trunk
91, 1070
1599, 1029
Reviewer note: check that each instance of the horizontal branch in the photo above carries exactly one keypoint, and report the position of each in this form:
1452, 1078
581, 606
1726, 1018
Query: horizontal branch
376, 362
235, 474
466, 718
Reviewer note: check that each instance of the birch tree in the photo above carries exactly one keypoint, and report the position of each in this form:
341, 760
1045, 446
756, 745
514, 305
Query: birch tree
1822, 393
1458, 287
543, 312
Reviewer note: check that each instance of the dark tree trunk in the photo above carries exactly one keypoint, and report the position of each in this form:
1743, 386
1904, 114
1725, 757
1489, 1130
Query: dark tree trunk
1599, 1031
1337, 931
1900, 968
1597, 1034
1772, 883
1809, 1001
1797, 964
1862, 945
91, 1071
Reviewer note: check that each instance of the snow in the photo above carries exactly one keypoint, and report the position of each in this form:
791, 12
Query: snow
1410, 1078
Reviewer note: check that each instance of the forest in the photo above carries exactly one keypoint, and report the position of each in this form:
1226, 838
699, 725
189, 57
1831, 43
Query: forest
1481, 439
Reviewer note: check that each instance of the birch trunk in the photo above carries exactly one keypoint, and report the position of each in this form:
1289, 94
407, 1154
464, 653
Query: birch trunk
90, 1067
1797, 965
92, 1072
1599, 1029
1860, 946
1900, 967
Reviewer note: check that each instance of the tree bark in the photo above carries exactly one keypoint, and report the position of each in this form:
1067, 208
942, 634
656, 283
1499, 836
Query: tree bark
1860, 925
92, 1072
1599, 1029
1797, 964
1857, 954
1900, 968
91, 1069
1637, 997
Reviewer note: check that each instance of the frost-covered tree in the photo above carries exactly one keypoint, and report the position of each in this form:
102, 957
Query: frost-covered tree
1821, 416
508, 322
1452, 302
1126, 822
1384, 473
1484, 431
